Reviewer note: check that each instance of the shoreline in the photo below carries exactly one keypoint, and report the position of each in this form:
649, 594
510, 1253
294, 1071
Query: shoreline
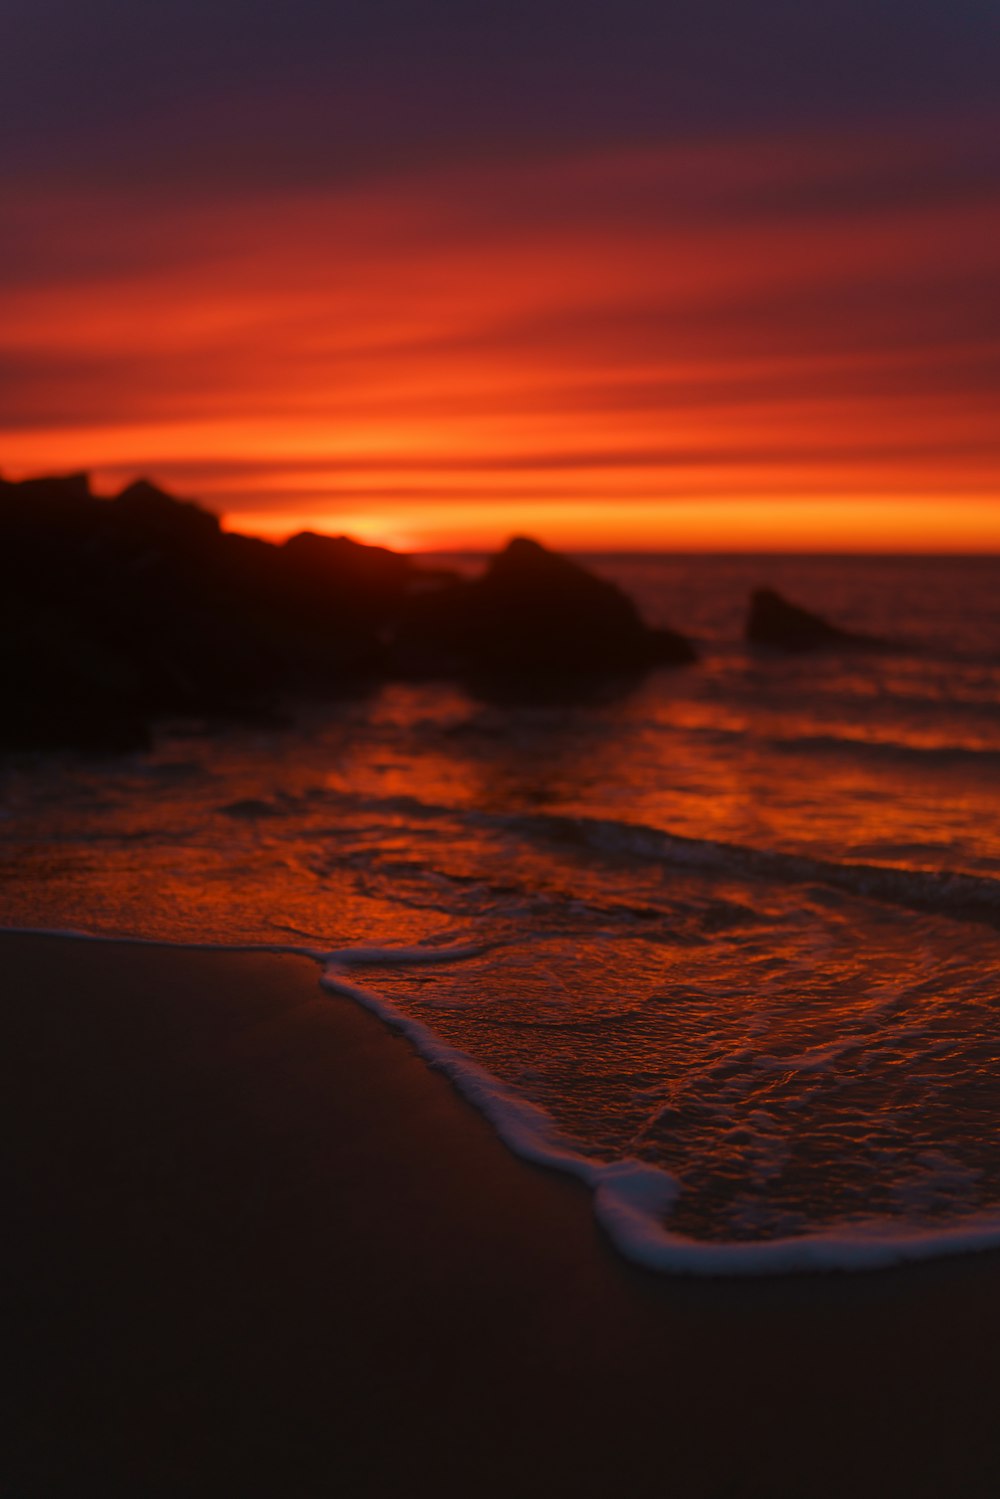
261, 1247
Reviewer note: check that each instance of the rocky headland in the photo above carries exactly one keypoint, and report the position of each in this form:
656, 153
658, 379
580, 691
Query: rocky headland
119, 612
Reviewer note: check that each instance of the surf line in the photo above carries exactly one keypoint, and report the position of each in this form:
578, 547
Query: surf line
631, 1198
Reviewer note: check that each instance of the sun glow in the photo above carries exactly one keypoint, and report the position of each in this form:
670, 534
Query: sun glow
699, 347
838, 523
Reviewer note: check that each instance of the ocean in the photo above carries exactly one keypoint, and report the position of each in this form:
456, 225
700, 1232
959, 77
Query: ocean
725, 946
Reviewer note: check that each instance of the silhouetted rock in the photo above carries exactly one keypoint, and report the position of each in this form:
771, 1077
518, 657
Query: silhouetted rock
333, 583
117, 612
150, 513
535, 624
775, 622
429, 639
534, 611
51, 497
369, 572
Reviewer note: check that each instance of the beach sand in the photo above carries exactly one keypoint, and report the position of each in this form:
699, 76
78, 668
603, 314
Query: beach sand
260, 1248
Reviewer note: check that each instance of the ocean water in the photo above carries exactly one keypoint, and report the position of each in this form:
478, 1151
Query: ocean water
727, 947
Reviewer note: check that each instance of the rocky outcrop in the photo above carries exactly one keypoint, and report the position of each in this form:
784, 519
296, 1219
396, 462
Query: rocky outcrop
778, 624
534, 608
534, 624
117, 612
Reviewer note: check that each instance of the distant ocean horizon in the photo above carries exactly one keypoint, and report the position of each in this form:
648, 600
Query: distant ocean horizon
726, 944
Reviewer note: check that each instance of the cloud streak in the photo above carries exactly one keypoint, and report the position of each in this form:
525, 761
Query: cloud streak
726, 319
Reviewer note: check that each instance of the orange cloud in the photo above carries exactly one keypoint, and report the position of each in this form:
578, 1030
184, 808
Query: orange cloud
727, 345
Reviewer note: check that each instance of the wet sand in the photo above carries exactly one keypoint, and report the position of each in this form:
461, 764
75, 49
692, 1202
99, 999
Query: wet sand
259, 1248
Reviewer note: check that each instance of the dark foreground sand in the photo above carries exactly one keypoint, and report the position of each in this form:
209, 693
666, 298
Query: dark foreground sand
259, 1249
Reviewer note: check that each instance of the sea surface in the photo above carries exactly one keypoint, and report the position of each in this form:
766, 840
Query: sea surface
727, 945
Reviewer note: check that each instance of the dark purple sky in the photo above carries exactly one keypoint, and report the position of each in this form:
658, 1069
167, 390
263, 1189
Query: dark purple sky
219, 90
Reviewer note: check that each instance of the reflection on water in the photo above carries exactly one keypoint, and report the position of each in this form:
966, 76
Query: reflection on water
747, 1003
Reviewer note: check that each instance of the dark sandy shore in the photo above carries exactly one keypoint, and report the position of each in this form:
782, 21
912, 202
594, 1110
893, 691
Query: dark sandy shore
259, 1249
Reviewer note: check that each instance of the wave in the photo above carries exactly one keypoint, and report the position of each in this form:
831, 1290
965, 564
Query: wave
945, 892
944, 756
933, 756
631, 1199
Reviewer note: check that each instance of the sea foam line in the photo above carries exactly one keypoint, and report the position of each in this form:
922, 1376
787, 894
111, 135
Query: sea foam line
630, 1197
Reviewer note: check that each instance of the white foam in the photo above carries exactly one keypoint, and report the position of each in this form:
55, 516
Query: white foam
631, 1198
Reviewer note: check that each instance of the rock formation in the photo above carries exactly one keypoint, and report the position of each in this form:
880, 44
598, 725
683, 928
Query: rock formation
774, 622
117, 612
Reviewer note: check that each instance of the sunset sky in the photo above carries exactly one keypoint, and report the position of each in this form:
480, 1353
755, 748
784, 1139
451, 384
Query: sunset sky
712, 275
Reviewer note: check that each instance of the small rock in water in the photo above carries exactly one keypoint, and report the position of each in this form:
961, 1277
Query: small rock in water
775, 622
534, 611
